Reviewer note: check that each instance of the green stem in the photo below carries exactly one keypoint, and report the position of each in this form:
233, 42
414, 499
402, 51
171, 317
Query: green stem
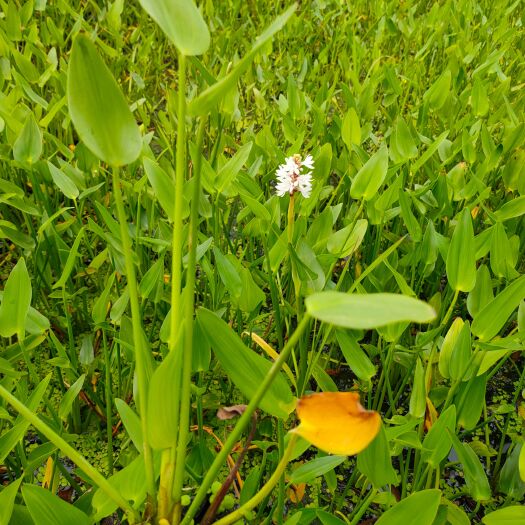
265, 490
168, 474
189, 297
363, 507
137, 332
180, 172
243, 421
109, 401
450, 308
97, 478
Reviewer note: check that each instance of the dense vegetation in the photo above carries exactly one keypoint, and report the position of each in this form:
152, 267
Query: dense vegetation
187, 337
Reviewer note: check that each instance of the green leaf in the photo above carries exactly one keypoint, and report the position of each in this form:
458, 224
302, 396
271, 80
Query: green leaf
98, 108
64, 183
232, 168
315, 468
418, 396
162, 185
423, 504
514, 515
475, 476
471, 395
70, 262
245, 368
350, 129
355, 356
16, 302
511, 209
182, 23
367, 310
402, 145
7, 501
447, 348
461, 257
69, 397
28, 146
494, 315
163, 397
205, 102
370, 177
437, 442
47, 509
345, 242
375, 461
131, 423
481, 294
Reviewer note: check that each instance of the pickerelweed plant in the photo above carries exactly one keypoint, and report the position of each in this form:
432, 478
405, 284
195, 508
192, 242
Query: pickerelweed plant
165, 190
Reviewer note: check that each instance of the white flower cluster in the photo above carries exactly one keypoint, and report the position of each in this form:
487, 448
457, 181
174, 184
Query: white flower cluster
295, 175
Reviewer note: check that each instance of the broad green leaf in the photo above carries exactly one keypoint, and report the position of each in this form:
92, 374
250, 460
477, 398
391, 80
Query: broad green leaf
47, 509
402, 145
228, 274
205, 102
449, 343
355, 356
437, 442
470, 399
511, 209
367, 310
461, 353
71, 259
182, 23
489, 321
478, 98
163, 397
64, 183
438, 92
245, 368
130, 482
232, 168
345, 242
28, 146
370, 177
475, 476
7, 501
351, 129
98, 109
423, 504
375, 461
162, 185
418, 396
481, 294
513, 515
510, 482
131, 422
100, 308
461, 258
16, 302
69, 397
315, 468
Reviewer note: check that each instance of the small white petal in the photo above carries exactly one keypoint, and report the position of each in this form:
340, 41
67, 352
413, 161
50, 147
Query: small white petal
308, 162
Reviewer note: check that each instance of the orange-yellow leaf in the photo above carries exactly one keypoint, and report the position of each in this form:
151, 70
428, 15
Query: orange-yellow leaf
336, 422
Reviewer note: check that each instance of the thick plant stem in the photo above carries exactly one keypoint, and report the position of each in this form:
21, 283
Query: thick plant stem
137, 333
71, 453
265, 490
243, 421
176, 315
180, 175
189, 302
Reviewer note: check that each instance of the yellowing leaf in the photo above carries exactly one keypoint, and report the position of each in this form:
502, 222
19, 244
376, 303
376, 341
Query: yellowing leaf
336, 422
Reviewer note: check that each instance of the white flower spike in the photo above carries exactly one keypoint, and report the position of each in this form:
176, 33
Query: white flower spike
295, 175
